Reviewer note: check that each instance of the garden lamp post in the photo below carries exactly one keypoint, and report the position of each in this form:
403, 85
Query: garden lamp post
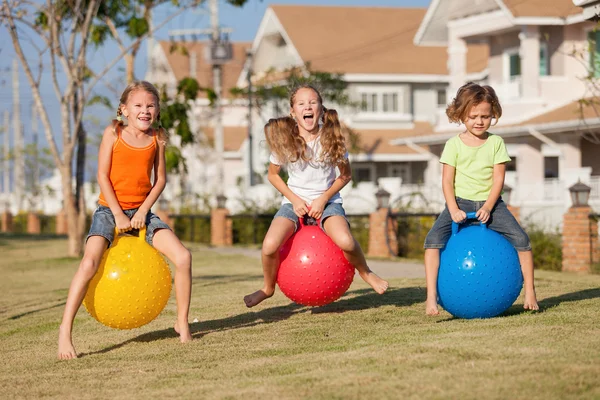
580, 194
383, 198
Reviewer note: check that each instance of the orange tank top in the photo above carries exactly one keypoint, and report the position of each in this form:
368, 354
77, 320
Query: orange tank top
131, 173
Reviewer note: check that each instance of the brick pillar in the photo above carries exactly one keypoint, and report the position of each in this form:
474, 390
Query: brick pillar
62, 227
577, 240
378, 246
33, 223
7, 221
220, 228
164, 216
516, 212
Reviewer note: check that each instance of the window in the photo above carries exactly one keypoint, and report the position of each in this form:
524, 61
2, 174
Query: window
390, 102
368, 102
550, 167
441, 97
386, 102
361, 174
594, 45
511, 166
544, 60
514, 65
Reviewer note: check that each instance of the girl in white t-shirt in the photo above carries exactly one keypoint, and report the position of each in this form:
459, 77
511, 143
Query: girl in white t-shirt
310, 144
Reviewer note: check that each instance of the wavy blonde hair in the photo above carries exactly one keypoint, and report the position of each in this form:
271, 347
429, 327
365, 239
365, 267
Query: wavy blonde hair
469, 95
331, 137
146, 87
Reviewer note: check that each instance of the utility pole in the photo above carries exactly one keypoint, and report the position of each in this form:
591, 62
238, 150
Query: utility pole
217, 53
6, 163
217, 70
250, 148
18, 139
35, 176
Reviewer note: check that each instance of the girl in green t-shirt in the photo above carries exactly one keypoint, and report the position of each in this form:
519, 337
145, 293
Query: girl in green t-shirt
474, 164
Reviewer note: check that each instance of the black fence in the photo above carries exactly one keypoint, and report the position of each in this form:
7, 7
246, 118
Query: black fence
250, 229
594, 261
192, 227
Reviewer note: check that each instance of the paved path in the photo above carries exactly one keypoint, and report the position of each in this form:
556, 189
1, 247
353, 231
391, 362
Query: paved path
383, 268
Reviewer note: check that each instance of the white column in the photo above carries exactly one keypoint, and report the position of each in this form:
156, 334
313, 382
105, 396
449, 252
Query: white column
530, 61
457, 64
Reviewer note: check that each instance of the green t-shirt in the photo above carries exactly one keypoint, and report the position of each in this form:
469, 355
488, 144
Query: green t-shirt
474, 165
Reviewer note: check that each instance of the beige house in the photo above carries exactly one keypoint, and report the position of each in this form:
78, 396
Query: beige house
173, 61
539, 58
397, 85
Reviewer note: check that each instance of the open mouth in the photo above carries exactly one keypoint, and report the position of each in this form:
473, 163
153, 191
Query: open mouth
309, 118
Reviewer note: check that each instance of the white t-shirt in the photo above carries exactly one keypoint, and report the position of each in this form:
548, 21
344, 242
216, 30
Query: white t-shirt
310, 179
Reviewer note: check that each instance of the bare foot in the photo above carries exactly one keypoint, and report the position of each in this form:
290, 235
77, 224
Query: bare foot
66, 351
184, 333
378, 284
257, 297
431, 307
530, 301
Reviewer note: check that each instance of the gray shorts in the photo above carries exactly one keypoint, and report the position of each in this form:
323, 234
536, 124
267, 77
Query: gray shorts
331, 209
501, 221
103, 224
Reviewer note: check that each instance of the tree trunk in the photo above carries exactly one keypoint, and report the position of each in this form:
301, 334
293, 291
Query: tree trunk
75, 231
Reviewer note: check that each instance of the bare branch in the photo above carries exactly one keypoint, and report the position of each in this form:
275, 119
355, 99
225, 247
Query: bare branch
35, 90
107, 68
114, 32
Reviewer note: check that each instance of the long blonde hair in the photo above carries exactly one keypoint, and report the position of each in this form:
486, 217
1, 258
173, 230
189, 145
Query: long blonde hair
331, 137
146, 87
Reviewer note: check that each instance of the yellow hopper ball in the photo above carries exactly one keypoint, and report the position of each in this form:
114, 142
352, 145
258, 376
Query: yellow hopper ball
132, 285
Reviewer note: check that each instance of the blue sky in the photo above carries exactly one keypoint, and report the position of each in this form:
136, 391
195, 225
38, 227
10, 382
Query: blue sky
244, 22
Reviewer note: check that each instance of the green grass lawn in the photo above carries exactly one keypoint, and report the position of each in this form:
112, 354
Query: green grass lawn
364, 346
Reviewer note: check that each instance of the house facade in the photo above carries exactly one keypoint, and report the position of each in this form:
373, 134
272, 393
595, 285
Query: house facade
541, 65
395, 85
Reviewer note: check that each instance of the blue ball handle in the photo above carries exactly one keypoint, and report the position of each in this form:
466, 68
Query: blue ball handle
470, 215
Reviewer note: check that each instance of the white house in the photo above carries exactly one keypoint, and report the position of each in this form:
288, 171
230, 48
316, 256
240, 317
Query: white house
398, 85
539, 59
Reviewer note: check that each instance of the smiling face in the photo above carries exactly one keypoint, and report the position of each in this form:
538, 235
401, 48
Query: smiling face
140, 109
478, 119
307, 110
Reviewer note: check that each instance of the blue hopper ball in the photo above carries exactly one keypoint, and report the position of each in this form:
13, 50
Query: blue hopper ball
480, 274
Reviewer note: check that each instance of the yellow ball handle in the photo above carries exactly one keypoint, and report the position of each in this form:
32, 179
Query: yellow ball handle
142, 233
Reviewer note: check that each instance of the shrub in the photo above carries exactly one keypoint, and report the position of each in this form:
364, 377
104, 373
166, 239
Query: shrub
547, 248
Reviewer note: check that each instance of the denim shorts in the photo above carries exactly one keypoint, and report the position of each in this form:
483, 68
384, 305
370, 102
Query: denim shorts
331, 209
103, 224
501, 221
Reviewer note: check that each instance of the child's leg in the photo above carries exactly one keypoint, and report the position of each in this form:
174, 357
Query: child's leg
526, 260
432, 267
338, 230
503, 222
165, 241
434, 242
279, 232
94, 249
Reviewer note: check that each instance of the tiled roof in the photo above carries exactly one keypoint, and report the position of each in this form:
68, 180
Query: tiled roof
377, 141
367, 40
570, 112
233, 136
179, 61
542, 8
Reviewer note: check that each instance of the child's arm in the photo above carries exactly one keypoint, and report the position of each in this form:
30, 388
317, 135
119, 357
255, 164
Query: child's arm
300, 206
456, 213
160, 181
483, 214
104, 162
318, 205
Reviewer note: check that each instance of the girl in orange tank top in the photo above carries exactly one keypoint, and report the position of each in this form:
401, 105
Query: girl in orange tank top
129, 155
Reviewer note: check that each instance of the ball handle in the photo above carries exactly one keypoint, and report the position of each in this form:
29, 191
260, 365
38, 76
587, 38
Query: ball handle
470, 215
141, 233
